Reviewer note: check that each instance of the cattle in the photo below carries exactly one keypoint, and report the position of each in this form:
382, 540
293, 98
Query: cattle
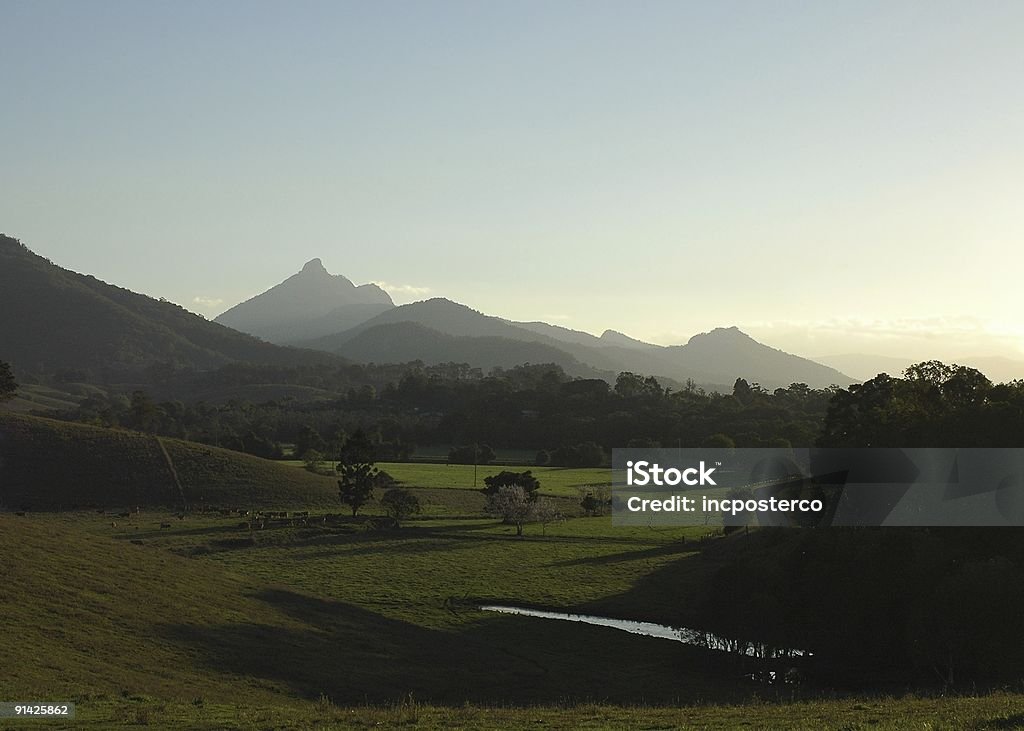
164, 525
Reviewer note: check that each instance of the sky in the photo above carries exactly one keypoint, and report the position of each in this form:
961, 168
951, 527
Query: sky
841, 177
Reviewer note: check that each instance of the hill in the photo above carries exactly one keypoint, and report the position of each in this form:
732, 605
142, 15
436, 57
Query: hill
733, 354
404, 341
309, 304
713, 360
52, 318
47, 464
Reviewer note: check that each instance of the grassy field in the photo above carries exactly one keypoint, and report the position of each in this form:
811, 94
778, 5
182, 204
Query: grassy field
206, 626
47, 464
557, 481
332, 622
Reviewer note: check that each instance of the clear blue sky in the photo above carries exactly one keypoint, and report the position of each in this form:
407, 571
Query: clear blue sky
831, 177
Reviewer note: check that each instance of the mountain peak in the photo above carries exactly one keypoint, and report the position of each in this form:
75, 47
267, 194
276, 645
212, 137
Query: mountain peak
614, 337
309, 304
314, 266
723, 334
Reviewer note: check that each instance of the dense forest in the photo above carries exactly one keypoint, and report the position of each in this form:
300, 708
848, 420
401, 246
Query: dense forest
538, 407
535, 407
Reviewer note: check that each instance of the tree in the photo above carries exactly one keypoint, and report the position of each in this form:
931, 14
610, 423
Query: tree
309, 439
471, 454
144, 414
400, 504
313, 460
7, 383
511, 504
545, 511
585, 454
719, 441
523, 480
357, 471
595, 499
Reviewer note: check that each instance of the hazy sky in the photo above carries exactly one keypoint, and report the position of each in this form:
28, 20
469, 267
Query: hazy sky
831, 177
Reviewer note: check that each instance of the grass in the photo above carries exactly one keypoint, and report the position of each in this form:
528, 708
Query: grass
985, 713
557, 481
31, 397
317, 629
331, 623
47, 464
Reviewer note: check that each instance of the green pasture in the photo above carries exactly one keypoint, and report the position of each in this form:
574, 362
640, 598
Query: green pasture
559, 481
334, 624
219, 621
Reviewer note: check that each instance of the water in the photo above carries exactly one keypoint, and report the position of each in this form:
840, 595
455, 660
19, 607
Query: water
685, 635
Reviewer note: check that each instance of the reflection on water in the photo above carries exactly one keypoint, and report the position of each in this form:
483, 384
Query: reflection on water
685, 635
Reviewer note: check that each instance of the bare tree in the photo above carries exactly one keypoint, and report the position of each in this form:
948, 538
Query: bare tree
511, 504
544, 512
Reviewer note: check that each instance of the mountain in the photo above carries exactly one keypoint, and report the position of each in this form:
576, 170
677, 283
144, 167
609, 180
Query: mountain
307, 305
557, 332
713, 360
52, 318
398, 342
613, 337
731, 353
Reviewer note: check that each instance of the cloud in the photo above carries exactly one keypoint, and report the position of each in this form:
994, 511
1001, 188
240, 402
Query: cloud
207, 302
404, 290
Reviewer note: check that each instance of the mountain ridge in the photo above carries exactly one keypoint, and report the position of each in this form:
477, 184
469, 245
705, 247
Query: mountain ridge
55, 318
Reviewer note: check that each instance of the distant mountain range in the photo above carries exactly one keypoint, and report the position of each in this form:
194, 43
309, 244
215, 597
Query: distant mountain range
52, 318
321, 311
713, 360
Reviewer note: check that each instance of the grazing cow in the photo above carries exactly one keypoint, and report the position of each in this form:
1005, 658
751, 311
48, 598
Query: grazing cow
164, 525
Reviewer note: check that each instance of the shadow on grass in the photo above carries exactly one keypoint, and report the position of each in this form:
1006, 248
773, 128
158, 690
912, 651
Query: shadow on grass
354, 656
1014, 721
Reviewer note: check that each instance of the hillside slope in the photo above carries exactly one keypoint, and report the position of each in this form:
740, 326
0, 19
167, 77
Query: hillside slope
89, 616
52, 318
47, 464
